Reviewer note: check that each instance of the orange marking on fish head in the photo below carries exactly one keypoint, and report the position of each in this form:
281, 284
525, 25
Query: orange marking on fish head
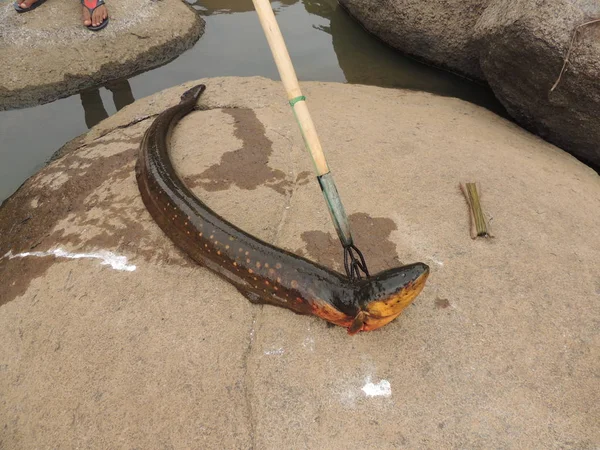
330, 313
385, 308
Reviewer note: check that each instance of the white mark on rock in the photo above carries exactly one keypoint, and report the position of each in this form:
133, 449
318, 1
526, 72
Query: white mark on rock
351, 393
309, 343
107, 258
348, 397
381, 389
278, 351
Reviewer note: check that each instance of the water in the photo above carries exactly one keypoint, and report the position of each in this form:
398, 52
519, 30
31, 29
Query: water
325, 44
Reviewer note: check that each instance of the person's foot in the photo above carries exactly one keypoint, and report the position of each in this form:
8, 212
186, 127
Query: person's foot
99, 15
26, 4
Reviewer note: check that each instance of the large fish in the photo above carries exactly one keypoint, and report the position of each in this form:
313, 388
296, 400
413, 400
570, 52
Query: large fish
262, 272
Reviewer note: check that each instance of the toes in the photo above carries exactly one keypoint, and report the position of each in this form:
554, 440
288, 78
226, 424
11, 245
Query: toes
86, 17
27, 3
95, 19
98, 16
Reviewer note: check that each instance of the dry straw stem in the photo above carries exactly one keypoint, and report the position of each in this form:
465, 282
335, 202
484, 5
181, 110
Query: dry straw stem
478, 224
564, 67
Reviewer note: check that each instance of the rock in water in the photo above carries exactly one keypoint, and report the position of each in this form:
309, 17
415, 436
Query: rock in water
67, 58
437, 31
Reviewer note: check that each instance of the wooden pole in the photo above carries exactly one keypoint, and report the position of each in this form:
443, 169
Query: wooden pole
353, 258
290, 82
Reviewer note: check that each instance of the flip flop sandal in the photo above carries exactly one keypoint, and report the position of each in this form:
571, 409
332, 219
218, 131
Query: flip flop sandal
91, 6
31, 8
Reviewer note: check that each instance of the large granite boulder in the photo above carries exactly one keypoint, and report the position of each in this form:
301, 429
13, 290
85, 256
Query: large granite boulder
112, 338
49, 54
437, 31
522, 47
517, 47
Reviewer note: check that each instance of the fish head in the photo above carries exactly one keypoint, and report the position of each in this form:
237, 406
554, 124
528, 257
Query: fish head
384, 296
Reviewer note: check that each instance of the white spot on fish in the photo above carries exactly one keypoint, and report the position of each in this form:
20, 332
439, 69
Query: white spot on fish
381, 389
107, 258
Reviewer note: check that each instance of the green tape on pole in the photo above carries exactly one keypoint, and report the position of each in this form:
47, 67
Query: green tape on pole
296, 100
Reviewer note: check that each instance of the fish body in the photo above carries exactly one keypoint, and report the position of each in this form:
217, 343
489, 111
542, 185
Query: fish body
263, 273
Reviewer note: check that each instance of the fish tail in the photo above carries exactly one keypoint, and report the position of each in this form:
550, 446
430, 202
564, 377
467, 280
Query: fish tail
193, 94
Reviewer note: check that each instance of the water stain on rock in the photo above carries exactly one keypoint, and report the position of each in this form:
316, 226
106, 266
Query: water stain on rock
121, 140
82, 197
248, 166
26, 225
303, 178
371, 235
442, 303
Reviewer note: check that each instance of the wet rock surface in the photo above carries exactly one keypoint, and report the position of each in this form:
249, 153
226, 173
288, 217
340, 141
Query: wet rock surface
500, 349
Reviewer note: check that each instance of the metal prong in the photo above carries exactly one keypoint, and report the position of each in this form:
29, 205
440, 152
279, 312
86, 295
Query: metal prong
354, 264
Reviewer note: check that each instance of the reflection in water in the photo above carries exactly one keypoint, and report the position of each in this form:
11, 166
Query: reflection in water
365, 59
323, 8
210, 7
92, 102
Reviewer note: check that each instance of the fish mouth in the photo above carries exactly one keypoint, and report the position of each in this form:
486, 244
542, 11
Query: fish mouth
387, 295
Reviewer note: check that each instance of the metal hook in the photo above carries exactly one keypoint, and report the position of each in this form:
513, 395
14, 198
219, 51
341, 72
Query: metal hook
354, 263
